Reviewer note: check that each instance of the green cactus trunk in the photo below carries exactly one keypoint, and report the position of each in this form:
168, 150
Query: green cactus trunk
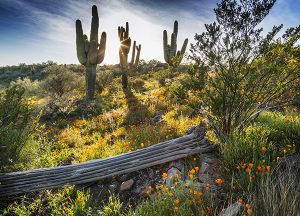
90, 79
90, 52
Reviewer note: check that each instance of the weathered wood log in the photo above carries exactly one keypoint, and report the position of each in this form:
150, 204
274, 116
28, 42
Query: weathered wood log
17, 183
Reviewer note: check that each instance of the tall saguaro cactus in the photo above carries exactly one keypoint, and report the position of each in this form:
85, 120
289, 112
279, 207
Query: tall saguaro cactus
171, 55
123, 52
90, 52
135, 58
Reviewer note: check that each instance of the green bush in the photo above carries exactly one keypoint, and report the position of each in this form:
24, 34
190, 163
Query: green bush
138, 84
284, 129
61, 81
271, 130
16, 126
245, 147
113, 207
31, 87
177, 91
104, 79
65, 202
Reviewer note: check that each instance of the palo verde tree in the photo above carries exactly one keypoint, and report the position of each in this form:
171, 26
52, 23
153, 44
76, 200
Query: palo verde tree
90, 53
123, 52
245, 72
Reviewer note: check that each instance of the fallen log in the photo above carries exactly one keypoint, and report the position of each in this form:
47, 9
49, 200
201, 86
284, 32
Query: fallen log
17, 183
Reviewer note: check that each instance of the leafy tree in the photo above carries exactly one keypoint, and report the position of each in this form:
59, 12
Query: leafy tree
245, 72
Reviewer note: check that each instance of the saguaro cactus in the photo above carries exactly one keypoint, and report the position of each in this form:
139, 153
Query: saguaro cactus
171, 55
90, 53
123, 52
135, 58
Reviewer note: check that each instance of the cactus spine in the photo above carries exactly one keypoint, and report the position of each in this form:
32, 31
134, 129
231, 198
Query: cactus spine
171, 55
135, 59
90, 53
123, 52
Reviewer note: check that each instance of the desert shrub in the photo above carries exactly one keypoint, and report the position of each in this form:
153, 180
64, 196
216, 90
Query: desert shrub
245, 147
16, 126
104, 79
113, 207
31, 87
61, 81
184, 198
138, 84
177, 91
195, 79
64, 202
284, 129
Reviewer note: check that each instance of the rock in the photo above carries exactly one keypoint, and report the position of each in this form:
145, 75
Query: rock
112, 187
179, 164
203, 167
172, 175
232, 210
127, 185
158, 116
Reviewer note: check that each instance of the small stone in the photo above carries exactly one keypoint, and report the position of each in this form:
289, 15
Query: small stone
172, 175
158, 116
203, 167
127, 185
179, 164
112, 187
232, 210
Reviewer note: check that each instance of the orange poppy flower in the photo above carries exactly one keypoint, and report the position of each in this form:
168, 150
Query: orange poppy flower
219, 181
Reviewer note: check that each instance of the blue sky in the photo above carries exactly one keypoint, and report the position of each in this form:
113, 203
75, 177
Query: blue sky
34, 31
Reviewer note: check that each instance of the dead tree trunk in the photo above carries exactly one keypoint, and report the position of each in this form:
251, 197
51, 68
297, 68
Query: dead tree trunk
17, 183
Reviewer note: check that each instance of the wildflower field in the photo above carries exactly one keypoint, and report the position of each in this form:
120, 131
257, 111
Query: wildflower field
238, 84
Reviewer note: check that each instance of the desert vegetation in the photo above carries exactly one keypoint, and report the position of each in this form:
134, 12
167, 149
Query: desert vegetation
239, 84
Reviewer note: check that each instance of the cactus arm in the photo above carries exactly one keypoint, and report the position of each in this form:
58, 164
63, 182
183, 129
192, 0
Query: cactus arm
101, 49
175, 30
165, 43
127, 30
133, 53
94, 24
119, 32
184, 45
80, 43
137, 59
